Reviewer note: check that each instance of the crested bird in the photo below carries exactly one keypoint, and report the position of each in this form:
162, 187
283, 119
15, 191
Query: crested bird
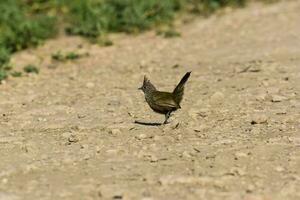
164, 102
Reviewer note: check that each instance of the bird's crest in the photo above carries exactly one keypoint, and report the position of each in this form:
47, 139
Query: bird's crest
147, 84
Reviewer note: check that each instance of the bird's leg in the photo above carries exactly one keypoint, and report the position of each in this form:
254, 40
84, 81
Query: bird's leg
167, 117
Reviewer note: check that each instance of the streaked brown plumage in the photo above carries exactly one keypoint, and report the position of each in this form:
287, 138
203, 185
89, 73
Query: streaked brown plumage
164, 102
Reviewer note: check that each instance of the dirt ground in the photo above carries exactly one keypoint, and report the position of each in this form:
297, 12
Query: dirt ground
68, 132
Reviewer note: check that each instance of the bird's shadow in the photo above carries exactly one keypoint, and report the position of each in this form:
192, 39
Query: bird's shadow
148, 123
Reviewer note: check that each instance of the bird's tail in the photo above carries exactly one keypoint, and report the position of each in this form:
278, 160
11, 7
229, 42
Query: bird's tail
178, 91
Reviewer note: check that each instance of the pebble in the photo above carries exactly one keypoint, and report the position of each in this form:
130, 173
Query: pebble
201, 128
186, 154
261, 97
240, 154
73, 138
141, 136
112, 151
115, 131
281, 111
250, 188
259, 119
217, 97
153, 158
4, 180
90, 85
273, 90
193, 114
278, 98
86, 157
80, 116
279, 169
204, 112
237, 170
98, 149
294, 140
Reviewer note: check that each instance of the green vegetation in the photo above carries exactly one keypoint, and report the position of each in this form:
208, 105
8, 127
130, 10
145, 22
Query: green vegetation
27, 23
206, 7
19, 29
31, 69
62, 57
168, 33
16, 74
92, 18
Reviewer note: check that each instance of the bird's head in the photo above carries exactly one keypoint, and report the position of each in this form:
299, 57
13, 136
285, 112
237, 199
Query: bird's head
147, 86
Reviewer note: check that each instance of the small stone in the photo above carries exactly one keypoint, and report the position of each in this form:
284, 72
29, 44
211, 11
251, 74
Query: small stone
112, 151
254, 69
203, 112
4, 180
175, 125
217, 97
261, 97
273, 90
141, 136
40, 119
153, 158
175, 66
294, 140
280, 111
186, 154
238, 171
279, 169
118, 196
259, 119
115, 131
98, 149
240, 154
90, 85
250, 188
86, 157
201, 128
3, 82
193, 114
73, 139
278, 98
80, 116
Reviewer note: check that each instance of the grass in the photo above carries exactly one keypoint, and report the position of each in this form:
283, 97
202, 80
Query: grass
20, 29
206, 7
16, 74
31, 69
62, 57
27, 23
168, 33
92, 18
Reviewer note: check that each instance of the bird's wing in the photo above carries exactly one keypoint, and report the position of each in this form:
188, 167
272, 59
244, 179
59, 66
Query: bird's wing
164, 99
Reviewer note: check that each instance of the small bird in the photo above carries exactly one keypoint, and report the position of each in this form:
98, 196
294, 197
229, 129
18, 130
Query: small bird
164, 102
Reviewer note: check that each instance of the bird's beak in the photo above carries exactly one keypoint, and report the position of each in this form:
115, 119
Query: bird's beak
139, 88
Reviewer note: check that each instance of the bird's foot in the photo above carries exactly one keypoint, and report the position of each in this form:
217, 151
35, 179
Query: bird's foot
165, 122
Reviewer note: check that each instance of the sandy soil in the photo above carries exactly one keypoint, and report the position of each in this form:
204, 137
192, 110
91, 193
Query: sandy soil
68, 133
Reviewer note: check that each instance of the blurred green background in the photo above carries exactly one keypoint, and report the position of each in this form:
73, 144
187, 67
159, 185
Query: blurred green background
27, 23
